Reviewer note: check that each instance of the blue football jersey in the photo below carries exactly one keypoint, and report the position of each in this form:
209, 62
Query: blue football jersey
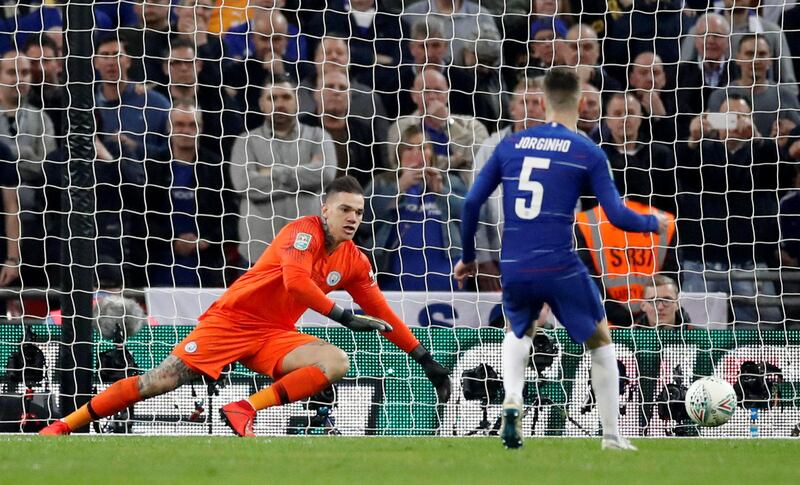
544, 170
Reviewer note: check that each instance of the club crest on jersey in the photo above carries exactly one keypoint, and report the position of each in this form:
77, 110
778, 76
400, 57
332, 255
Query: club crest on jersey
302, 241
190, 348
333, 279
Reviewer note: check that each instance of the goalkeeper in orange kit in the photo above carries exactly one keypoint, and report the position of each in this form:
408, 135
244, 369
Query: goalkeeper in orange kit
253, 322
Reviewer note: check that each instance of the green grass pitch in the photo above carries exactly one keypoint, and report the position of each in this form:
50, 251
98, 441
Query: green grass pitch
195, 460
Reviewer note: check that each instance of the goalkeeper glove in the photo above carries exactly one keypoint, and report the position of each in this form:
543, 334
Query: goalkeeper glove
358, 323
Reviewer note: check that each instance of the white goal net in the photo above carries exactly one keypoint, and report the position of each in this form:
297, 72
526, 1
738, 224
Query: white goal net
215, 126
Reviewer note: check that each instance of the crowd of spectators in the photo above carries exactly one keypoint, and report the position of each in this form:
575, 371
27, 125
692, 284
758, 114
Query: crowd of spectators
217, 125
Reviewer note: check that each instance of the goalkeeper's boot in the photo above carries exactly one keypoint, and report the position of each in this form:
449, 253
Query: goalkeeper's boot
239, 416
440, 378
617, 443
58, 428
511, 427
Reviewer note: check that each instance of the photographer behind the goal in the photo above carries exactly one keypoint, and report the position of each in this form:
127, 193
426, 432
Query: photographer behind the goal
661, 306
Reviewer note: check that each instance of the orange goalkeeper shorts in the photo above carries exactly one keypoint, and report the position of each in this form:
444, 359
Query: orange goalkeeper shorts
216, 342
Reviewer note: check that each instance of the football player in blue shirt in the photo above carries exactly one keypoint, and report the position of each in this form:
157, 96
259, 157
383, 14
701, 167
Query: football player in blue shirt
544, 170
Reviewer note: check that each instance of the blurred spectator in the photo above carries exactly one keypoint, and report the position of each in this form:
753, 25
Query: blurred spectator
28, 132
57, 36
119, 208
727, 208
542, 53
222, 120
332, 54
789, 252
135, 120
191, 24
554, 12
481, 90
708, 71
590, 111
513, 19
47, 90
647, 81
581, 49
239, 40
412, 216
641, 26
790, 226
640, 169
455, 138
476, 83
187, 199
427, 48
526, 110
18, 20
279, 170
744, 19
358, 153
373, 36
464, 21
266, 63
147, 43
661, 305
790, 22
622, 263
9, 223
770, 102
22, 21
118, 14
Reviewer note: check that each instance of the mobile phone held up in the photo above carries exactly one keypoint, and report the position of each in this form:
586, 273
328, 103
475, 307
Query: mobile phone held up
722, 121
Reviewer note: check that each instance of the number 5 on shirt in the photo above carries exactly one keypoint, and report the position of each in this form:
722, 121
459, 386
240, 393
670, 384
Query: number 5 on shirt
523, 210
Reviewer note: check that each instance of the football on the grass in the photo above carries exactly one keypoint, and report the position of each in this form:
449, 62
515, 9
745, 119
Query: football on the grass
710, 401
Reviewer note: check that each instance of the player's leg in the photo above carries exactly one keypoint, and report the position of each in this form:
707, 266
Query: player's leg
575, 301
300, 364
212, 345
304, 371
521, 311
169, 375
605, 382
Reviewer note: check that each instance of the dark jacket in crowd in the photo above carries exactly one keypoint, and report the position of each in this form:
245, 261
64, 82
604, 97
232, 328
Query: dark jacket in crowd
212, 203
727, 202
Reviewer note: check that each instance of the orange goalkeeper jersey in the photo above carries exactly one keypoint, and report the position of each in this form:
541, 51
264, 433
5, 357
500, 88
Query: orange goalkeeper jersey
294, 274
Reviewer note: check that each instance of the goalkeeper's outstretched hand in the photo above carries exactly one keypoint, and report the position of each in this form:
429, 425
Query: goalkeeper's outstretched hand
358, 323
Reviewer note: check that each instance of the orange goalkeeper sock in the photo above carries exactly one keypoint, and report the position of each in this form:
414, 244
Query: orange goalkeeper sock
117, 397
296, 385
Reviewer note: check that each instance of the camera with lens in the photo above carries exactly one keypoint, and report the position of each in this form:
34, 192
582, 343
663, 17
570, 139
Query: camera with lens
671, 406
544, 353
26, 410
756, 387
117, 319
482, 383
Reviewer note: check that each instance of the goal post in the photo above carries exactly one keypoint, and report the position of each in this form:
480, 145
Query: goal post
76, 363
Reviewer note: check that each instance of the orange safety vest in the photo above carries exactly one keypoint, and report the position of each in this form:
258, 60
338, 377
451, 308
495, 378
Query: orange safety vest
626, 261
